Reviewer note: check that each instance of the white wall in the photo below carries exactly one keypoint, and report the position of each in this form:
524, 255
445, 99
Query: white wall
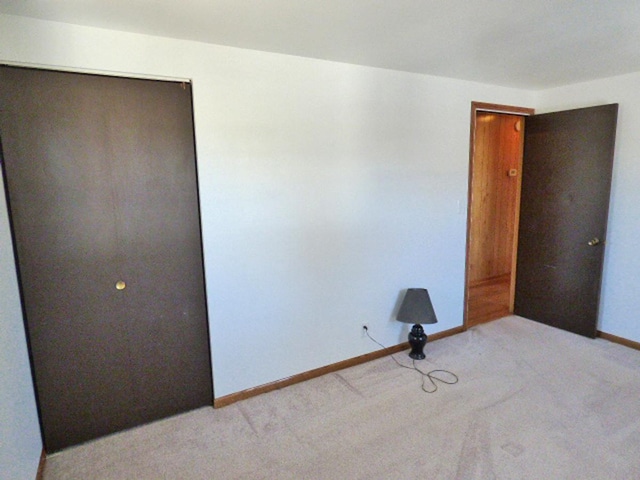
620, 302
20, 443
326, 189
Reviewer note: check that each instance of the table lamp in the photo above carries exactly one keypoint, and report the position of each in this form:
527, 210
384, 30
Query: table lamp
416, 308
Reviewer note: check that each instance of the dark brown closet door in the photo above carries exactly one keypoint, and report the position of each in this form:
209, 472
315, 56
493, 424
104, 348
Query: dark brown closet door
566, 184
101, 181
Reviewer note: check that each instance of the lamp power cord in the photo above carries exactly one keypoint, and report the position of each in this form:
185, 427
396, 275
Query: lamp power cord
430, 377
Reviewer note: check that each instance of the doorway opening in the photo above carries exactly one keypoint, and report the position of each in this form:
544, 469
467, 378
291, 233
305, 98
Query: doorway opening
495, 166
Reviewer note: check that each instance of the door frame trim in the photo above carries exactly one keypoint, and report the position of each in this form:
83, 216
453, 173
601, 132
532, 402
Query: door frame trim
475, 108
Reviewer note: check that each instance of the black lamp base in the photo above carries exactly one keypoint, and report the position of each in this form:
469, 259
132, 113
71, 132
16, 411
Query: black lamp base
417, 340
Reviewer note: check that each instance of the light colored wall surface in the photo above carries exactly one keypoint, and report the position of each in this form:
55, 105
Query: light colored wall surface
20, 443
620, 301
326, 189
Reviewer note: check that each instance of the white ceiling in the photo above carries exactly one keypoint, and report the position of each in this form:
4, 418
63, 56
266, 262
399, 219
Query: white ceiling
530, 44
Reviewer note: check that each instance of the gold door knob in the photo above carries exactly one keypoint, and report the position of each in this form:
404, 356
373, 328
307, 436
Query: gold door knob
120, 285
593, 242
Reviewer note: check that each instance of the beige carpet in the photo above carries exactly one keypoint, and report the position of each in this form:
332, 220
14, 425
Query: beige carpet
532, 402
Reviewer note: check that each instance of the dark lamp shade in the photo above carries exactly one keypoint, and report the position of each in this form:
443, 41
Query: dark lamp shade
416, 307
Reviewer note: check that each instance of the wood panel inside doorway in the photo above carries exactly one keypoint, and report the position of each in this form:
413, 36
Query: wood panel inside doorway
494, 194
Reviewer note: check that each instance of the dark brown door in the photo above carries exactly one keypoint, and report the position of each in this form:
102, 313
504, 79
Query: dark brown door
101, 181
566, 180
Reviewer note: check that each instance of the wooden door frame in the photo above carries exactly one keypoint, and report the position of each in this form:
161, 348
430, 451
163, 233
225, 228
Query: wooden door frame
475, 108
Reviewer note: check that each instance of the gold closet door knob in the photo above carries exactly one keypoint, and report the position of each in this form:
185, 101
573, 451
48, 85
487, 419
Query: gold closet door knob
120, 285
